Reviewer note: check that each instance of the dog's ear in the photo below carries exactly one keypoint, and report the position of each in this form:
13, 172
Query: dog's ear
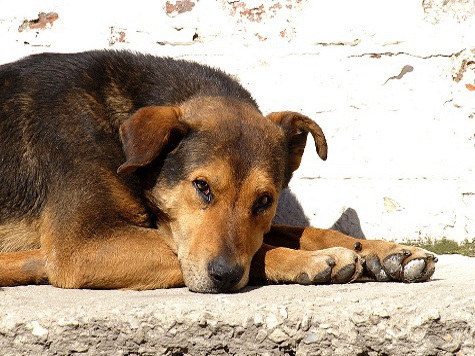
146, 133
296, 128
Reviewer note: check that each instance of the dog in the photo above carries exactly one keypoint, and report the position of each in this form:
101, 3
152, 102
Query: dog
130, 171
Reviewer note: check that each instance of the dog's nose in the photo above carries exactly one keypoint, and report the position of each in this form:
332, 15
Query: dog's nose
224, 275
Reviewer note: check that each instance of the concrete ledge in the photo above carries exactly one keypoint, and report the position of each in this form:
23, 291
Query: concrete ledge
434, 318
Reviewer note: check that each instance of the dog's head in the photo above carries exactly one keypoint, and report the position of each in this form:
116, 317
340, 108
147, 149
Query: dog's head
216, 168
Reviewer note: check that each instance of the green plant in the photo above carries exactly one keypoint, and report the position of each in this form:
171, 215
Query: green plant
446, 246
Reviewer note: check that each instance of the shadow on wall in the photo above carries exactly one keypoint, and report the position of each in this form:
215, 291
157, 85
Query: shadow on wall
290, 212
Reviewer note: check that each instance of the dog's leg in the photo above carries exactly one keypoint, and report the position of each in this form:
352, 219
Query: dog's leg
131, 258
24, 267
383, 260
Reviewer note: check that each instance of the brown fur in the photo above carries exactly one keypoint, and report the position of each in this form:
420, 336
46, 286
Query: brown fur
131, 171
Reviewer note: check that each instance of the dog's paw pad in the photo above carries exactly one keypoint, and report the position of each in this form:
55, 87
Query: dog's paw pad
393, 263
344, 274
419, 269
348, 266
413, 270
375, 269
319, 278
303, 278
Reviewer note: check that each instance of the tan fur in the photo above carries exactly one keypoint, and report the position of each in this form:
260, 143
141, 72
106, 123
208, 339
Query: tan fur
128, 259
22, 267
19, 236
199, 235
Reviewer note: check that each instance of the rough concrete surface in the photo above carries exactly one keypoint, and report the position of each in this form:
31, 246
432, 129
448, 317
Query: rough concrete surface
433, 318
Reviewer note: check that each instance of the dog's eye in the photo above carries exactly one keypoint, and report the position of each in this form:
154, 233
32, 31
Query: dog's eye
262, 203
204, 189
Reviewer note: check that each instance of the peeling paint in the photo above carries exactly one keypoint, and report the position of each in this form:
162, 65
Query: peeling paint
44, 21
179, 7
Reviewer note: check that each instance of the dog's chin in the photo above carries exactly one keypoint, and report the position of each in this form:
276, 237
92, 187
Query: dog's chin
204, 289
211, 289
205, 285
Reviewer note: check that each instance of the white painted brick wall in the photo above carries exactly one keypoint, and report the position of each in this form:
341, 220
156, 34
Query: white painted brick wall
401, 151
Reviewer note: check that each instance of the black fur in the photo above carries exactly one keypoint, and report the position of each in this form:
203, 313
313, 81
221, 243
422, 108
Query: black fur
60, 113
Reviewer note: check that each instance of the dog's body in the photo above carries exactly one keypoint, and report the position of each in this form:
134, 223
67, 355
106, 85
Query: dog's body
120, 170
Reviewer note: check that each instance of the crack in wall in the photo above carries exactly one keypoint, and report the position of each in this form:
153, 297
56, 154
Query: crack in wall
402, 53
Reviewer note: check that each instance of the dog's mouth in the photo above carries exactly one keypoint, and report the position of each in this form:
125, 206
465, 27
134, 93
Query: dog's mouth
216, 277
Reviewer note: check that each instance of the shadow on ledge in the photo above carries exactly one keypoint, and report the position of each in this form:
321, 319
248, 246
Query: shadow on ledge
290, 212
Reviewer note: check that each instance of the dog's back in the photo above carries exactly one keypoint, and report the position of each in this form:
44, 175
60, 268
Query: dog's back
59, 120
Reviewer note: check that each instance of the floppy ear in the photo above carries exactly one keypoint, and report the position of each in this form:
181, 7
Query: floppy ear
146, 133
296, 128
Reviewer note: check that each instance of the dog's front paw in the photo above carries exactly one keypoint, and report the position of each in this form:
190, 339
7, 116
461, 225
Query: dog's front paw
400, 263
332, 265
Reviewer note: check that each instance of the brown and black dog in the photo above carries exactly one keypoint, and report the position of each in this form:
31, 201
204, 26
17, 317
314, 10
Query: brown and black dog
123, 170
